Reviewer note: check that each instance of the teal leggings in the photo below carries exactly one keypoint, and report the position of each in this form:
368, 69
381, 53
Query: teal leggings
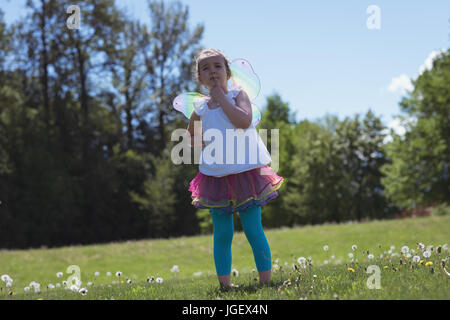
223, 236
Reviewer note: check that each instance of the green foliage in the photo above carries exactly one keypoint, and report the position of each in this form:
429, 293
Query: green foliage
417, 172
205, 219
442, 209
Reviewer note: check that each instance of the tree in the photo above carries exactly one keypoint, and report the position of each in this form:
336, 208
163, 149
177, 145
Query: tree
417, 173
169, 54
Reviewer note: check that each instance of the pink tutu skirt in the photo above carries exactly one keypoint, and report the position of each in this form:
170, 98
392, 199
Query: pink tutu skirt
235, 192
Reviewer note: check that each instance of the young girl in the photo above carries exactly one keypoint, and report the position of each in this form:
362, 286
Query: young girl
225, 188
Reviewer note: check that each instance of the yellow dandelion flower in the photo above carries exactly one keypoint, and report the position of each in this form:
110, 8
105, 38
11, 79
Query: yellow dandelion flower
351, 269
421, 261
385, 267
429, 263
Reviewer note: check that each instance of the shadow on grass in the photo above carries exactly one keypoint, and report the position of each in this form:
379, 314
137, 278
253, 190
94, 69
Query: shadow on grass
242, 289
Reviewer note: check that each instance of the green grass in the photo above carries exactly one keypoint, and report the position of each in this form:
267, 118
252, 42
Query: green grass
138, 260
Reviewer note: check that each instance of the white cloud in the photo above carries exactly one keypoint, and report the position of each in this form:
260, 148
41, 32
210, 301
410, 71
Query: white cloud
401, 84
428, 64
399, 125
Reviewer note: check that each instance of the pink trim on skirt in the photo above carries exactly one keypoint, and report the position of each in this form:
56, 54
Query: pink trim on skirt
235, 192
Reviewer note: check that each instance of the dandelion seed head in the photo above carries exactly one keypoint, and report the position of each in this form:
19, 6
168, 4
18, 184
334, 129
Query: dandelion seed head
5, 278
159, 280
354, 247
59, 274
83, 291
301, 260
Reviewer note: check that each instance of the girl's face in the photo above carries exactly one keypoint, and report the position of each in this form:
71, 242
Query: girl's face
213, 69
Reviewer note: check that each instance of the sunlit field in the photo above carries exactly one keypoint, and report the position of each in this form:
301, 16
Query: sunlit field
391, 259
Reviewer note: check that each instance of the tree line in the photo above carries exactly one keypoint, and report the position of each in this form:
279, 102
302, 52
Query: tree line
85, 123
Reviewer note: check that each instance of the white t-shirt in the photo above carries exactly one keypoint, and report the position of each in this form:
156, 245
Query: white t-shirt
247, 146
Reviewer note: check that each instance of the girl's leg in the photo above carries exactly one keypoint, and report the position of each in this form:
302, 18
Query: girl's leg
253, 229
223, 237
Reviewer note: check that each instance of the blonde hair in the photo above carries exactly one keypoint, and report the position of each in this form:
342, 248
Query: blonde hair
205, 53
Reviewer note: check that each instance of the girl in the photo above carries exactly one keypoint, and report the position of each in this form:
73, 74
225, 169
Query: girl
226, 188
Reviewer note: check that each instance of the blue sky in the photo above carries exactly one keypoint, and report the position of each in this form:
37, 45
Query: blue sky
320, 56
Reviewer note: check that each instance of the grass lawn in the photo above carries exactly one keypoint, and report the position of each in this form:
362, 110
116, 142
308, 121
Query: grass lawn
331, 273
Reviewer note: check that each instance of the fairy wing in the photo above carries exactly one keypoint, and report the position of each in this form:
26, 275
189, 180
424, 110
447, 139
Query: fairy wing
244, 77
187, 102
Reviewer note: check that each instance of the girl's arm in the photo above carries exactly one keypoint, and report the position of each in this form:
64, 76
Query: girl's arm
195, 130
240, 114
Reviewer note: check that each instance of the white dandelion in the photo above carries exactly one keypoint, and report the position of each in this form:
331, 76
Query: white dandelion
235, 272
301, 260
151, 279
370, 256
96, 273
26, 289
197, 274
59, 274
175, 269
421, 246
416, 259
108, 274
5, 278
159, 280
74, 288
427, 254
350, 255
118, 274
83, 291
58, 285
129, 281
354, 247
405, 249
51, 286
325, 248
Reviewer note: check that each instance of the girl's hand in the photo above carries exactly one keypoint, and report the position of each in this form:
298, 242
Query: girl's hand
216, 92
